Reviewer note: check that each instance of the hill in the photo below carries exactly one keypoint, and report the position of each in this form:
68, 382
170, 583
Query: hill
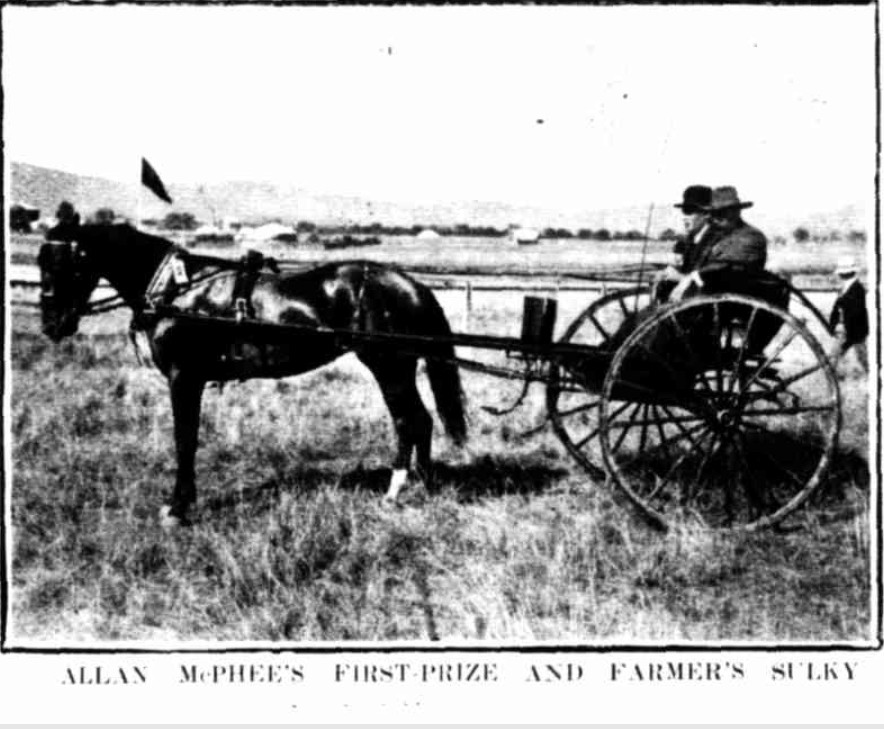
253, 201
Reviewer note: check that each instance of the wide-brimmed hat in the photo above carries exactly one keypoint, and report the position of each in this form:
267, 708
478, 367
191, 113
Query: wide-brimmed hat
695, 198
846, 266
725, 198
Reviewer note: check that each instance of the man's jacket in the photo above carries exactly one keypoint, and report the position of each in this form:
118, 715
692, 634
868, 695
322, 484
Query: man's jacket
742, 247
849, 310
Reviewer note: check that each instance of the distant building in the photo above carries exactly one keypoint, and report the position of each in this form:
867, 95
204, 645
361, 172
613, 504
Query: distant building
428, 234
525, 236
265, 233
206, 230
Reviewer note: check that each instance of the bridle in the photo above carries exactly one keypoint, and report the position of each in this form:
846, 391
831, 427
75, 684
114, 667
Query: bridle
63, 274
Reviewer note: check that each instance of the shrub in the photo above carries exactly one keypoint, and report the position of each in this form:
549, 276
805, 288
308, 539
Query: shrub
180, 221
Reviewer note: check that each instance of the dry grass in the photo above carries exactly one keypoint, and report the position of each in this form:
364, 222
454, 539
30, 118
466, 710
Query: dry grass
514, 543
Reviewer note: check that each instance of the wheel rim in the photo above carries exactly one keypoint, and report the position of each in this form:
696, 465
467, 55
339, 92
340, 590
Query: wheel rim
732, 427
572, 405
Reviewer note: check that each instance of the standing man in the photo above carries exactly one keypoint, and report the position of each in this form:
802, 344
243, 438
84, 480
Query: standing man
850, 319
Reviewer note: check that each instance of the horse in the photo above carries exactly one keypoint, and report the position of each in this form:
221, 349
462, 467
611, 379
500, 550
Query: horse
175, 296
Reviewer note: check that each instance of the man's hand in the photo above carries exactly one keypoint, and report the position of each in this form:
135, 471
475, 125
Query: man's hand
670, 273
684, 285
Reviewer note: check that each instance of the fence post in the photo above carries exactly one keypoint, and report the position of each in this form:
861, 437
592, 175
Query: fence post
468, 313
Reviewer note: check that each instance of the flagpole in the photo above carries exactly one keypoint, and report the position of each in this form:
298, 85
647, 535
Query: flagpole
138, 212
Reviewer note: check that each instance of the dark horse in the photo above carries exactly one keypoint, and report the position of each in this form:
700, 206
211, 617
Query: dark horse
158, 281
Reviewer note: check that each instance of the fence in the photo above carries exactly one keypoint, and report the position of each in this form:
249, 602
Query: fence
496, 281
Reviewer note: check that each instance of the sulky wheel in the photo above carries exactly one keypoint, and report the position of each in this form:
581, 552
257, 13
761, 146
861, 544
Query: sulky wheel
732, 418
572, 401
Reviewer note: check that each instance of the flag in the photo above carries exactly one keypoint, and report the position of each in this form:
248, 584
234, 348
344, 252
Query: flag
151, 180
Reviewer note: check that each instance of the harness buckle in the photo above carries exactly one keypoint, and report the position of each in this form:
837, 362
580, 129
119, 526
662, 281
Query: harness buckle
241, 310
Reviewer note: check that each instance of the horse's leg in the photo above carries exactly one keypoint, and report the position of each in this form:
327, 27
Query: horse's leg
413, 424
187, 393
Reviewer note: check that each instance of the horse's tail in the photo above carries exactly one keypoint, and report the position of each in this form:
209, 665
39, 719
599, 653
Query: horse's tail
444, 376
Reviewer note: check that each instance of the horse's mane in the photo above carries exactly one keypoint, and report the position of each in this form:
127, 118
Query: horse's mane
122, 236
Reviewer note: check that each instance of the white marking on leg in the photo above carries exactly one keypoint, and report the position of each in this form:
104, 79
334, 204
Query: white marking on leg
397, 481
167, 519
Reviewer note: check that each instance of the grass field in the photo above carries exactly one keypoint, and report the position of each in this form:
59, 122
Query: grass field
293, 543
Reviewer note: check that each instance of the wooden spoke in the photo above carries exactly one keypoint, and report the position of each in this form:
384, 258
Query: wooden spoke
661, 430
772, 357
595, 430
793, 410
750, 485
784, 384
716, 319
708, 455
685, 339
625, 430
675, 466
677, 421
742, 353
644, 434
788, 472
653, 421
579, 408
598, 325
765, 452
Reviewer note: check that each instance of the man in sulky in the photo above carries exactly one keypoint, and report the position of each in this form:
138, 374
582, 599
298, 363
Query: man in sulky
724, 248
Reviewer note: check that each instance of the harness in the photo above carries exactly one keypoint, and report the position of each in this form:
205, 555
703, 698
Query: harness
174, 277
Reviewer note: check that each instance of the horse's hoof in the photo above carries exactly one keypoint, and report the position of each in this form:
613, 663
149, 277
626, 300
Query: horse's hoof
168, 520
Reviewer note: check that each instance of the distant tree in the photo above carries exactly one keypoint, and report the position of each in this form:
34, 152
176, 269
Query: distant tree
305, 226
801, 235
602, 234
668, 234
856, 236
104, 216
180, 221
585, 234
20, 218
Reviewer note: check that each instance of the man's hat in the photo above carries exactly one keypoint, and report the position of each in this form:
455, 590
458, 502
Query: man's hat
725, 198
695, 198
846, 266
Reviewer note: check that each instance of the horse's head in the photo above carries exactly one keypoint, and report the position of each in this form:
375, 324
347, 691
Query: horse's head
66, 280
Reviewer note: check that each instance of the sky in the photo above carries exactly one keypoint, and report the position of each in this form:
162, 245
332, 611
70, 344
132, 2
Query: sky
561, 107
